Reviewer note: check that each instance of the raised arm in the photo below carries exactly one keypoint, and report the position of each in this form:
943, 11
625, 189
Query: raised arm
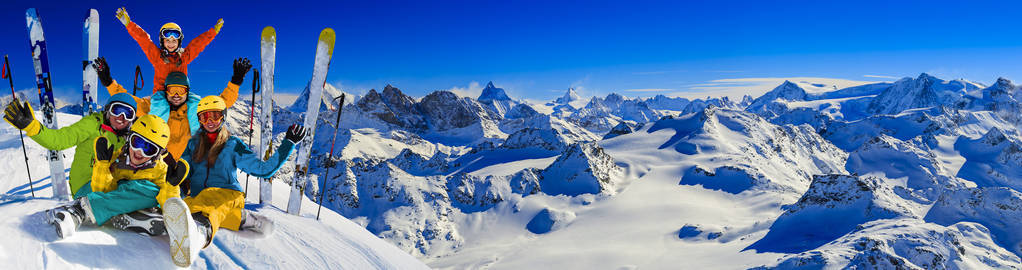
200, 42
112, 87
69, 136
141, 37
230, 94
252, 164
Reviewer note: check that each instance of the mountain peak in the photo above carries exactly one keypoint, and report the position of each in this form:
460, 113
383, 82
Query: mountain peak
786, 91
925, 75
493, 93
568, 97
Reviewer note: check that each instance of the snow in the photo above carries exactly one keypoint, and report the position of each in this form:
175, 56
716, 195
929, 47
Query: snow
812, 176
299, 242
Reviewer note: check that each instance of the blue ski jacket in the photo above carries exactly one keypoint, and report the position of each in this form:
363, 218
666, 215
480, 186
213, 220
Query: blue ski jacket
235, 155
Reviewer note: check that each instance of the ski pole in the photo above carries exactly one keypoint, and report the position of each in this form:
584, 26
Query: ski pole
251, 116
330, 157
138, 77
14, 98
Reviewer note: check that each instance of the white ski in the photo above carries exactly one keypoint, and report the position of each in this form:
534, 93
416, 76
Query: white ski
268, 52
90, 40
324, 51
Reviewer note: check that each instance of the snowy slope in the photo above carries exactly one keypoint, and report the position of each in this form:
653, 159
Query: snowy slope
920, 173
298, 242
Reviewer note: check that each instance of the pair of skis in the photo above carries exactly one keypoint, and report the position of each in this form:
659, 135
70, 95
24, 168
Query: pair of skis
324, 52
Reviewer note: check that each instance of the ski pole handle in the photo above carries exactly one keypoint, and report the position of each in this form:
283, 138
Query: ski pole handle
256, 83
138, 77
7, 74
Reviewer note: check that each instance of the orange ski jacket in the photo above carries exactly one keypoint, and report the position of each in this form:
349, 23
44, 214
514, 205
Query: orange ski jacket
164, 64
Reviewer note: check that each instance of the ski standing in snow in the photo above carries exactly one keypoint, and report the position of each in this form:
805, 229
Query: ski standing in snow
268, 52
324, 51
61, 190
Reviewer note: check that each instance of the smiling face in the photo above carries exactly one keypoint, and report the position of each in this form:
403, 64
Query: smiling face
171, 44
136, 157
179, 96
211, 126
118, 122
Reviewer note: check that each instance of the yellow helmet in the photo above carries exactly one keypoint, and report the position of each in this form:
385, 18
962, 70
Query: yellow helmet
152, 128
211, 103
171, 26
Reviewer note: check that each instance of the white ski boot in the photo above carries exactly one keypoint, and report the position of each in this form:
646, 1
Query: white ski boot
147, 221
67, 218
186, 238
255, 225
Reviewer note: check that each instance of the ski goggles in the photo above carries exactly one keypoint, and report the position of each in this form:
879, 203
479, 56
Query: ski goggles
177, 91
171, 33
141, 144
123, 110
206, 117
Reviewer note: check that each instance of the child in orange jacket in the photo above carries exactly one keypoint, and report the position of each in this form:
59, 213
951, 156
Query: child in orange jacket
169, 56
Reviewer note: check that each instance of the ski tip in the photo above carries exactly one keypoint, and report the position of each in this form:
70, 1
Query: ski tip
31, 12
269, 34
93, 13
328, 36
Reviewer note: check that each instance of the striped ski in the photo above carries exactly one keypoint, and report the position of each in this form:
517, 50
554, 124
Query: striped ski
61, 190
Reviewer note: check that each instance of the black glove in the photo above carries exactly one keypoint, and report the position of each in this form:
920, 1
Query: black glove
176, 170
241, 66
295, 133
104, 151
103, 70
19, 114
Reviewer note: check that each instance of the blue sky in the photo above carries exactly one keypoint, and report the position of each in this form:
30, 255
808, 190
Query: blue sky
536, 49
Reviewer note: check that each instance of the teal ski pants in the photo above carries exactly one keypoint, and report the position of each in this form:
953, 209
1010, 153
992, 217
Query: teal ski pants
130, 196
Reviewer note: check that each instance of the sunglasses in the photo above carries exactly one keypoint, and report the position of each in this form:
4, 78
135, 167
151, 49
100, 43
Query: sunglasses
177, 91
147, 147
210, 116
175, 34
123, 110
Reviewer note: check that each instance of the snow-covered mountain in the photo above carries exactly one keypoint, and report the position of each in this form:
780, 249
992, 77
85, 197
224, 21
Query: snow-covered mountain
919, 173
496, 100
923, 91
761, 168
568, 97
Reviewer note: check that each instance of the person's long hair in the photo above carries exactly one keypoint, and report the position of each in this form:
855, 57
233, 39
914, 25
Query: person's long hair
209, 152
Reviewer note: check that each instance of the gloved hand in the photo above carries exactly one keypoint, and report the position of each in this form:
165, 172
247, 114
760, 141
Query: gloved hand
103, 71
241, 66
176, 170
295, 133
122, 15
104, 151
19, 114
219, 24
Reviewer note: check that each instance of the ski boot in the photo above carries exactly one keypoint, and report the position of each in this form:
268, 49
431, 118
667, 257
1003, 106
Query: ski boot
67, 218
146, 221
187, 235
255, 225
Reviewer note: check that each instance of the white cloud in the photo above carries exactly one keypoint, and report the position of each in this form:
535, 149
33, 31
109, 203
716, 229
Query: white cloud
881, 77
473, 90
